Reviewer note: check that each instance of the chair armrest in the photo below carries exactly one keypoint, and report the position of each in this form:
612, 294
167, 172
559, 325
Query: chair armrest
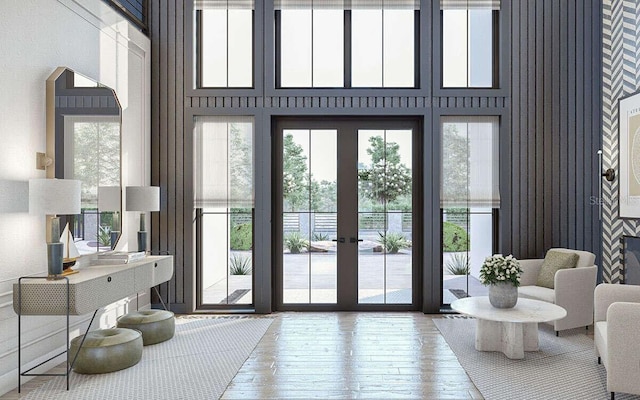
530, 271
623, 352
606, 294
573, 289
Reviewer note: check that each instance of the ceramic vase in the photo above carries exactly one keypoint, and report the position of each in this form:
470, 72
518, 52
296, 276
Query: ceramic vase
503, 295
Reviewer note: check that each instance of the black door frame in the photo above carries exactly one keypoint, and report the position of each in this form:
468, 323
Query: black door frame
332, 122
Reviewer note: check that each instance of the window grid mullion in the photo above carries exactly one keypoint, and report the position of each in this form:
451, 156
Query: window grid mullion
347, 49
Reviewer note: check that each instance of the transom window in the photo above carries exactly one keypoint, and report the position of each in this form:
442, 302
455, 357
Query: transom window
224, 40
337, 43
469, 43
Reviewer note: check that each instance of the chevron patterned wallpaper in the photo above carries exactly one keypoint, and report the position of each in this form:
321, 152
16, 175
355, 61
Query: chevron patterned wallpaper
621, 76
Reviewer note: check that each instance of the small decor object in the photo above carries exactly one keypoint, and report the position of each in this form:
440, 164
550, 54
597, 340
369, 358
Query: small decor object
70, 252
502, 275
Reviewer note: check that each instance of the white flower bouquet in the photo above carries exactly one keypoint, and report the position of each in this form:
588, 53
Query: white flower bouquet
498, 268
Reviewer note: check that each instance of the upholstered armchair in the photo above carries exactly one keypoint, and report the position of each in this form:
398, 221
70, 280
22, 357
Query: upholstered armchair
571, 288
616, 335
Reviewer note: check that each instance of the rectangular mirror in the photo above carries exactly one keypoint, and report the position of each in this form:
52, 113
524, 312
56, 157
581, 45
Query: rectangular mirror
83, 135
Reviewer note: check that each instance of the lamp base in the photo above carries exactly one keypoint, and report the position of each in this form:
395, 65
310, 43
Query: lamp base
54, 260
142, 241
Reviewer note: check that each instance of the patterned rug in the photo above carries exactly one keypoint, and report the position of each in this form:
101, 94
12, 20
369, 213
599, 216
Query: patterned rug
564, 367
197, 363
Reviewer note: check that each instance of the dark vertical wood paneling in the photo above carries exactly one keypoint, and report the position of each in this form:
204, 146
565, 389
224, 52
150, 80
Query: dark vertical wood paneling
516, 221
540, 123
547, 65
182, 219
552, 133
556, 81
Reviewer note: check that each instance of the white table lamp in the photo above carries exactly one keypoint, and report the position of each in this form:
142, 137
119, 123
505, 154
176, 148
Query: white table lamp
54, 197
109, 201
14, 196
142, 198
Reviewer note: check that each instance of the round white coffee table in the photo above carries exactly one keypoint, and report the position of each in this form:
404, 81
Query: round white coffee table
509, 330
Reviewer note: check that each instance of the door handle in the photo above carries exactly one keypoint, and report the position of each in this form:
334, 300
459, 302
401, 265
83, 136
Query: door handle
353, 240
339, 240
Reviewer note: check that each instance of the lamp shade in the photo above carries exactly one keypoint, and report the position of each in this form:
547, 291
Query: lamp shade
54, 196
14, 196
143, 198
109, 198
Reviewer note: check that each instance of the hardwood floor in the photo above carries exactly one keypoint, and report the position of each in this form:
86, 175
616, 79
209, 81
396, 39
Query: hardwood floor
352, 355
346, 355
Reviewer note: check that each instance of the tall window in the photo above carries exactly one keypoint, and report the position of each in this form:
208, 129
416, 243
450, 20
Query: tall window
224, 40
469, 43
224, 202
336, 43
469, 198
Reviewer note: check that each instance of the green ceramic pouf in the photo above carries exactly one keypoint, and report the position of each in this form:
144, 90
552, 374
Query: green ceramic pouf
155, 325
106, 350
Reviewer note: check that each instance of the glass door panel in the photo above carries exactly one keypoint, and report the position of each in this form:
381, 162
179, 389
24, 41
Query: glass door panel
309, 198
385, 268
226, 253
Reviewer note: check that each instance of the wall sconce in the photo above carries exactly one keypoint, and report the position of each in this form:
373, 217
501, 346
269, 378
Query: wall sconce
609, 174
43, 161
54, 197
109, 200
142, 198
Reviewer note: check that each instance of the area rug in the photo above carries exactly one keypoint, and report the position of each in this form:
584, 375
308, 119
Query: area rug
564, 367
197, 363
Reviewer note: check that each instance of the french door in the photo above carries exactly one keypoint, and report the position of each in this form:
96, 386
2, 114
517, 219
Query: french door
347, 214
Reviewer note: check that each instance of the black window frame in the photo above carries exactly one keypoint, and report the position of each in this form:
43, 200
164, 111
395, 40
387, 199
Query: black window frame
501, 49
347, 75
191, 57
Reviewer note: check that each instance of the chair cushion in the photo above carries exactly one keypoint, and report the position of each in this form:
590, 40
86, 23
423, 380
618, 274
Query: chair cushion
537, 293
553, 261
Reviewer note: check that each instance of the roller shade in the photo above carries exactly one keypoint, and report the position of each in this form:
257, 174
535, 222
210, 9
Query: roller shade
470, 4
224, 4
470, 162
347, 4
223, 150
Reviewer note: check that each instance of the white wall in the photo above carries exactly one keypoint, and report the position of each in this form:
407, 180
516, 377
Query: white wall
36, 36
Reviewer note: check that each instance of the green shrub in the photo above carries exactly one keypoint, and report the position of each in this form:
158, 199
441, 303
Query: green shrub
319, 237
458, 264
241, 237
104, 236
239, 265
295, 243
393, 242
454, 238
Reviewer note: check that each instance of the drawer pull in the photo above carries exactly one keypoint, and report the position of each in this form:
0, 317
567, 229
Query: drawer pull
155, 265
108, 279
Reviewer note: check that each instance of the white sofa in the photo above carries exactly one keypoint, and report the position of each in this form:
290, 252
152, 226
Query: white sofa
616, 335
573, 289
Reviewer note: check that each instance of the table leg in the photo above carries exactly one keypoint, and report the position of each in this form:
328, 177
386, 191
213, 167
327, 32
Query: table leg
530, 336
511, 338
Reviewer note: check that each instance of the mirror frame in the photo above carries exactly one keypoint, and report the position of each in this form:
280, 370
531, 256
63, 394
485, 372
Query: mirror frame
55, 139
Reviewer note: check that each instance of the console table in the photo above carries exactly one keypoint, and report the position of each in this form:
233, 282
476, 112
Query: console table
92, 288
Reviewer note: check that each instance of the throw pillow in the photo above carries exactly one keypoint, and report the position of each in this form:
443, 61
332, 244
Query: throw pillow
553, 261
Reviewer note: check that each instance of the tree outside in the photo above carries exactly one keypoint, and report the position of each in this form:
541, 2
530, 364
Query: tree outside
387, 179
295, 177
